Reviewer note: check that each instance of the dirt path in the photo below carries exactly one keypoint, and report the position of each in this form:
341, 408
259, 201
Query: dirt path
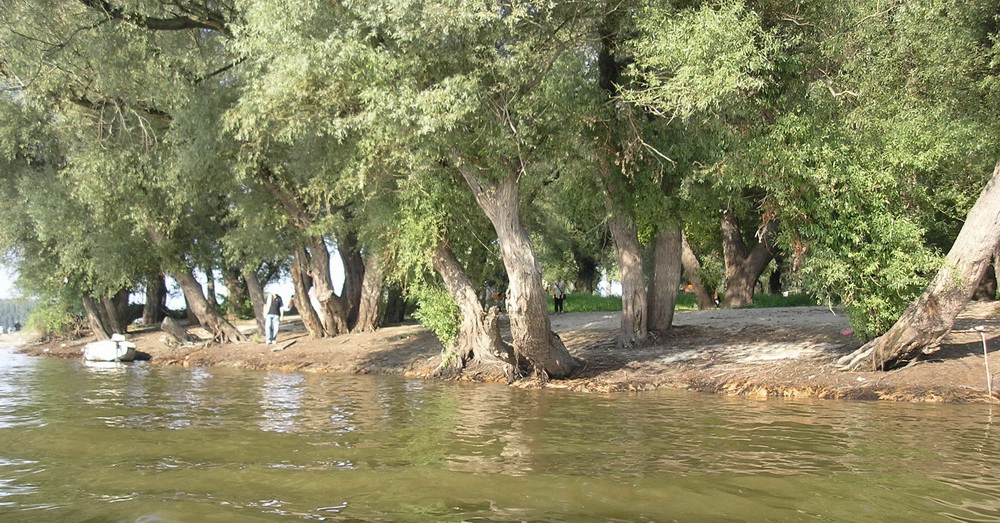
776, 352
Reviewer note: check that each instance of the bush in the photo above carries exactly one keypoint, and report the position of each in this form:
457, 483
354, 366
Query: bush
55, 320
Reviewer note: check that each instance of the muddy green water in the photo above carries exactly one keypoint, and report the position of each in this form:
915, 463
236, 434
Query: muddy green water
140, 442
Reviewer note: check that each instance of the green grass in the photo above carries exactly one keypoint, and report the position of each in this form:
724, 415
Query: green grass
685, 302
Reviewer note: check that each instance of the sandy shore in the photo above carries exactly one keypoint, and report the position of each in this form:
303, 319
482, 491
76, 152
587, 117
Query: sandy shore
761, 352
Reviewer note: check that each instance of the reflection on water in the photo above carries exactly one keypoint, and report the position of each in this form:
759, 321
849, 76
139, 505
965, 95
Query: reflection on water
142, 442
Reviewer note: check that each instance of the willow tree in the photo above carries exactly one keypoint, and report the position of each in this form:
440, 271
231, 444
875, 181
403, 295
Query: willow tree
114, 80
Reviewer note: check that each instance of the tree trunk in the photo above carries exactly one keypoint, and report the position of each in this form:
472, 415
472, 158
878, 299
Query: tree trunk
207, 315
587, 274
115, 322
774, 282
692, 270
479, 344
354, 277
926, 321
333, 310
743, 266
633, 329
395, 308
303, 282
210, 294
177, 332
97, 325
666, 278
369, 317
156, 300
256, 292
237, 293
534, 341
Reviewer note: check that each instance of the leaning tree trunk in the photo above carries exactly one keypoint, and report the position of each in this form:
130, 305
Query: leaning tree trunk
478, 347
666, 278
156, 300
926, 321
302, 282
370, 304
692, 270
97, 325
208, 316
534, 341
743, 266
256, 292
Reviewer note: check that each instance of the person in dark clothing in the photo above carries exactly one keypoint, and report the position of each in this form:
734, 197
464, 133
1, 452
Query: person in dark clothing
273, 312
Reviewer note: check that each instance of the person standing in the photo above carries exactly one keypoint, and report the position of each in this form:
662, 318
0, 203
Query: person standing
559, 295
273, 311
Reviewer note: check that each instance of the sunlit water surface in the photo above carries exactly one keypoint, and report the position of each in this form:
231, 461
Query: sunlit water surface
140, 442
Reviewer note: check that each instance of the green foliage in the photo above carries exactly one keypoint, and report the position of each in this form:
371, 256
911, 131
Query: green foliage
437, 311
55, 319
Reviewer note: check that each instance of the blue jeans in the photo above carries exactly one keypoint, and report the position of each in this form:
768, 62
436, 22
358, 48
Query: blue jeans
271, 323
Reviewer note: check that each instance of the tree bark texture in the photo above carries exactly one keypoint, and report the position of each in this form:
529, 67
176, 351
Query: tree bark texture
369, 317
237, 292
666, 278
692, 270
303, 282
114, 315
926, 321
587, 274
354, 277
743, 265
156, 300
208, 316
633, 329
97, 325
256, 293
534, 341
332, 310
479, 347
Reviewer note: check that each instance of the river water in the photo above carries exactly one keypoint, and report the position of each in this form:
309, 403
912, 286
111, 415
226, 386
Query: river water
141, 442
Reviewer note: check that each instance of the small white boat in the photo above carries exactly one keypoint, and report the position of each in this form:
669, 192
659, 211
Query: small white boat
115, 349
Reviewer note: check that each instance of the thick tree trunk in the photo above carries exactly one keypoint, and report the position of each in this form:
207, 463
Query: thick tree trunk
156, 300
256, 292
692, 270
354, 277
479, 347
303, 283
207, 315
634, 328
534, 341
666, 278
332, 310
743, 266
369, 317
926, 321
114, 315
237, 292
97, 325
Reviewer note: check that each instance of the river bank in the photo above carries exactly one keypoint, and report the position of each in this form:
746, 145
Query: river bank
759, 352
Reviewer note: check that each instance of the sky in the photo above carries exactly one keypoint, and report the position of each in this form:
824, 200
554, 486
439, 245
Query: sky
7, 278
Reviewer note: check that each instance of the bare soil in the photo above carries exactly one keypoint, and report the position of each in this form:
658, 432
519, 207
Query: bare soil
759, 352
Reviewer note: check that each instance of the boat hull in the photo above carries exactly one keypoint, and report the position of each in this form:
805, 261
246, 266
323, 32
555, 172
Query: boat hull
109, 350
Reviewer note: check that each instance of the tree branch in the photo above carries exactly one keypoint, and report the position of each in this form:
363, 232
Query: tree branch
211, 21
